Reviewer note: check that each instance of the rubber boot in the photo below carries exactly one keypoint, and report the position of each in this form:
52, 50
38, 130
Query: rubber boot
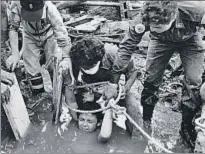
147, 116
37, 84
187, 131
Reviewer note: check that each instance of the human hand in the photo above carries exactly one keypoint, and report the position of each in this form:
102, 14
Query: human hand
203, 20
123, 92
12, 62
7, 77
66, 67
5, 93
110, 91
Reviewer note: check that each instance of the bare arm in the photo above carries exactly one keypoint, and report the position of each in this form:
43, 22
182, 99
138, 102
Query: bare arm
106, 128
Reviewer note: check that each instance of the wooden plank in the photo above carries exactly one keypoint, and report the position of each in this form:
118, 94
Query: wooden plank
79, 21
88, 3
59, 94
101, 3
109, 40
16, 112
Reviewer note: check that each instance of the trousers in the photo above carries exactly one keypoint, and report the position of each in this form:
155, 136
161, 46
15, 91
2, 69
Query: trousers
192, 56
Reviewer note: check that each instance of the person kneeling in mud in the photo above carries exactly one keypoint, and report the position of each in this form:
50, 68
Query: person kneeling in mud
92, 62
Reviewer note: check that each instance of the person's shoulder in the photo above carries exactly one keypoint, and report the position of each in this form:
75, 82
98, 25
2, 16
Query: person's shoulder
49, 4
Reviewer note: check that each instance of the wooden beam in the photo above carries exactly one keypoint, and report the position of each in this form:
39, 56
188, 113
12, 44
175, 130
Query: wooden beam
101, 3
79, 21
16, 112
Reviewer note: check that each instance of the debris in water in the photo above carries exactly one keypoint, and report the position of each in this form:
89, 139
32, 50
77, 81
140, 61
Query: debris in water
75, 138
111, 150
59, 132
44, 127
170, 145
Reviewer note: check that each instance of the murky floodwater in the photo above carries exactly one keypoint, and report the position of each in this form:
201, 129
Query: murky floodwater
43, 136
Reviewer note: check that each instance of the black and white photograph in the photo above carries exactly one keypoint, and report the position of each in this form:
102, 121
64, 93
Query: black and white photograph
102, 76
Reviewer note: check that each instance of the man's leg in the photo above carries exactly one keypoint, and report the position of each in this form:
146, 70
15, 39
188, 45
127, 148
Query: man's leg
192, 60
31, 57
157, 59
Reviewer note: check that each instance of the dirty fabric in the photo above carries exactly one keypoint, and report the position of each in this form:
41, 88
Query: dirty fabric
191, 54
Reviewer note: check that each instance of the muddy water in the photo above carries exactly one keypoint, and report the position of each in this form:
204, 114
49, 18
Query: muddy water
45, 138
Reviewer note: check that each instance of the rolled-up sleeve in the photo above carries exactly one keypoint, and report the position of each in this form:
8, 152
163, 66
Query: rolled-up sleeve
126, 48
59, 29
14, 18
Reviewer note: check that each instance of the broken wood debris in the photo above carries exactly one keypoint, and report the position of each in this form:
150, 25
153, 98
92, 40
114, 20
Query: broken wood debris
16, 112
79, 21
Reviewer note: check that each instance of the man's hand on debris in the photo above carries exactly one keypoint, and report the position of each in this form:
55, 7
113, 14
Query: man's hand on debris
110, 92
12, 62
5, 93
123, 92
66, 66
203, 20
7, 77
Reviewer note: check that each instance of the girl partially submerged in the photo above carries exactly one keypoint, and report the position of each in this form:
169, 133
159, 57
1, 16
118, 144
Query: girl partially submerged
92, 62
86, 100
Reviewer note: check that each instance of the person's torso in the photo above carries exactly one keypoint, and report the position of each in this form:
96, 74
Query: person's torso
176, 34
101, 76
37, 28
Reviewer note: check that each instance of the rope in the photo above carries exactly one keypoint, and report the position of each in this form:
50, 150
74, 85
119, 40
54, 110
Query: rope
112, 104
88, 111
91, 85
102, 109
145, 134
199, 123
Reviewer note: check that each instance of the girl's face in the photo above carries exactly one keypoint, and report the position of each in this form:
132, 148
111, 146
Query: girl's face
87, 122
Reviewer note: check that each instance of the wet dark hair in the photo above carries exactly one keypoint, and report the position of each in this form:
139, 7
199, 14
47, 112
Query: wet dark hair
158, 12
87, 51
88, 105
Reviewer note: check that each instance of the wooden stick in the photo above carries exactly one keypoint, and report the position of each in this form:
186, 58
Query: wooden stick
90, 3
59, 94
79, 21
54, 87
